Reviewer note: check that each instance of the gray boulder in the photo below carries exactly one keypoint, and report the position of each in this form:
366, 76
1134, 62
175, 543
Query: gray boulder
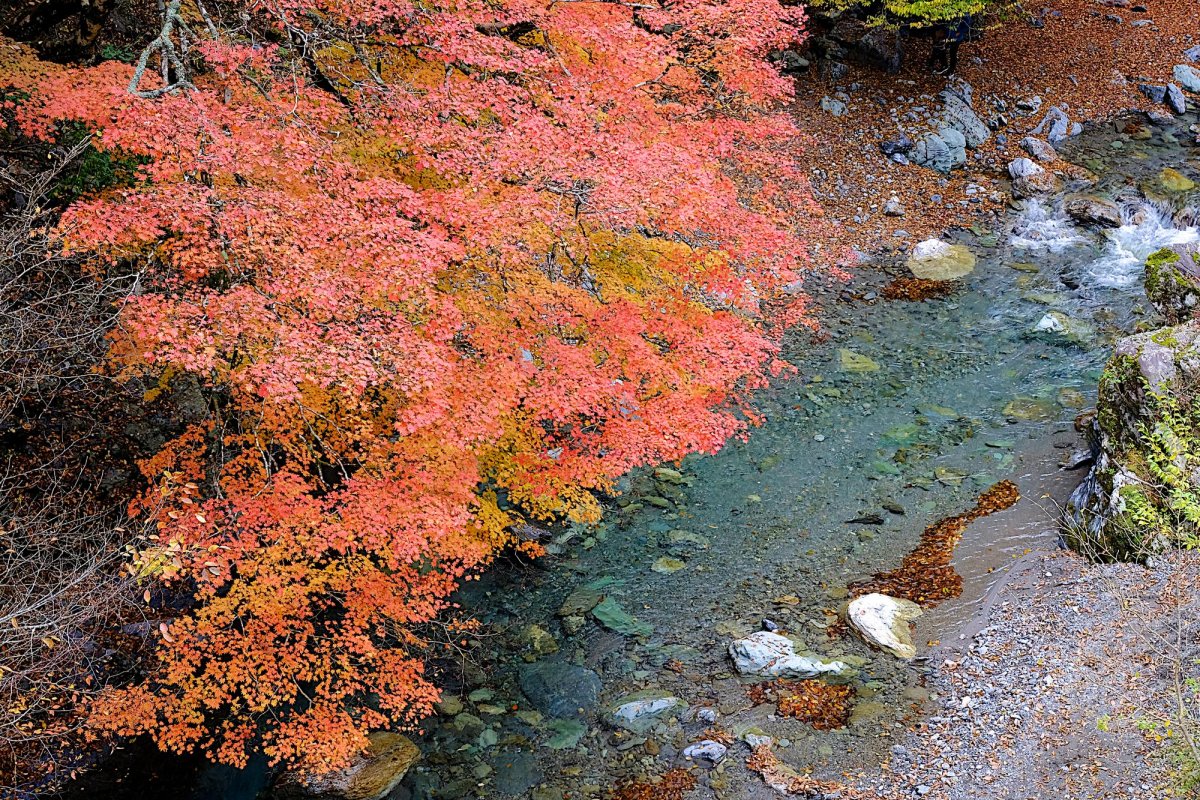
559, 689
1188, 76
835, 107
1176, 100
958, 114
1156, 93
1056, 126
1040, 150
933, 152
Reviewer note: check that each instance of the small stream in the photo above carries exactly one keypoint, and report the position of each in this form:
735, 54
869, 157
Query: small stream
957, 394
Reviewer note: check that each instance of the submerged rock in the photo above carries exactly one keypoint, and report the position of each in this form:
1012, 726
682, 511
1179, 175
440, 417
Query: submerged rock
935, 260
559, 689
882, 620
641, 711
850, 361
1174, 181
371, 776
770, 655
609, 613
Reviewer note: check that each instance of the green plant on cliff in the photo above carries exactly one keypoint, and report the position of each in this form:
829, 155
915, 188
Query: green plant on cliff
910, 12
1166, 505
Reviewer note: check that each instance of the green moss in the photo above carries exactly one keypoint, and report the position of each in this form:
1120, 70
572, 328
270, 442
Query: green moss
95, 170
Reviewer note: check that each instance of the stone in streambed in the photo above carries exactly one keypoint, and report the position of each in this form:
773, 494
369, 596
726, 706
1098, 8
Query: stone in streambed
641, 711
769, 655
850, 361
1093, 210
883, 620
609, 613
1174, 181
559, 689
936, 260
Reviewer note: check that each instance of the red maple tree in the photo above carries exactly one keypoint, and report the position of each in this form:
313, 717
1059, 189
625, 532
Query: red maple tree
439, 271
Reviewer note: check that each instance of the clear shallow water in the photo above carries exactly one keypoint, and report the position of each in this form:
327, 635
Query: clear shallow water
965, 394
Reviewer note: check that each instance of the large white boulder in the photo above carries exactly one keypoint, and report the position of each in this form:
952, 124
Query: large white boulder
882, 620
770, 655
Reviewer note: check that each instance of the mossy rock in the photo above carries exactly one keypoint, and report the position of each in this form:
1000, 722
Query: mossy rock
1173, 283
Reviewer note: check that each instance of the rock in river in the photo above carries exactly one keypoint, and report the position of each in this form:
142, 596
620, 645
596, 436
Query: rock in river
560, 689
882, 620
706, 752
1093, 210
770, 655
371, 776
935, 260
641, 711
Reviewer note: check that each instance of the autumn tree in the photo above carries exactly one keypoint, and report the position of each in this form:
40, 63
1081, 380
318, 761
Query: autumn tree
439, 270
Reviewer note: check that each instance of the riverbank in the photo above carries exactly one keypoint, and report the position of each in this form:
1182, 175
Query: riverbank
1064, 686
1088, 57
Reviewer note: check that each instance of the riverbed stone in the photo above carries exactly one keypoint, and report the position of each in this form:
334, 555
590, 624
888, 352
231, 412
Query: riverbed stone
706, 752
850, 361
641, 711
936, 260
370, 776
770, 655
883, 620
560, 689
515, 772
609, 613
1093, 210
1174, 181
538, 642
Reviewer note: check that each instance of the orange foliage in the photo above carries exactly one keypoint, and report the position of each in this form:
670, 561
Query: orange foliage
501, 253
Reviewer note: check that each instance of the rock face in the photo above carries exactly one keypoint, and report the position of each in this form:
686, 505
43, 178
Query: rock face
882, 620
1144, 488
935, 260
769, 655
371, 777
1092, 210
